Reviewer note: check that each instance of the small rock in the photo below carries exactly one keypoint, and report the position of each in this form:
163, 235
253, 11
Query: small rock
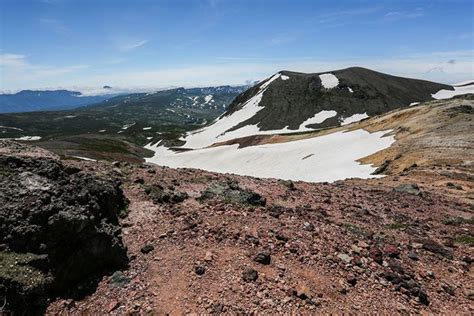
208, 257
118, 279
376, 254
410, 188
112, 305
250, 275
413, 255
344, 257
147, 248
363, 244
448, 289
308, 226
351, 279
200, 270
263, 258
391, 251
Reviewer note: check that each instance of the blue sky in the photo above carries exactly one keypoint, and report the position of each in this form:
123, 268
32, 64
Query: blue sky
155, 44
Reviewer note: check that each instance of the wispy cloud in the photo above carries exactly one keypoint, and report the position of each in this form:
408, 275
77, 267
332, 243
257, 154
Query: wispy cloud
393, 16
131, 45
55, 25
19, 71
341, 15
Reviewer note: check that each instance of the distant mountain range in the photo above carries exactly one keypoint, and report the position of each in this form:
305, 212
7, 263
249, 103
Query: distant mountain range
52, 100
39, 100
140, 117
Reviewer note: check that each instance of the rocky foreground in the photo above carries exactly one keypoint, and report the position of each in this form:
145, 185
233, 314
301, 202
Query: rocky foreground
200, 242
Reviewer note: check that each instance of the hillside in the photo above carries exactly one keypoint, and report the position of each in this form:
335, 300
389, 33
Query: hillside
291, 102
108, 129
207, 243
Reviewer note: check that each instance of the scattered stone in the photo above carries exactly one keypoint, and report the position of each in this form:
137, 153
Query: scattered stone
410, 188
118, 279
308, 226
209, 256
391, 251
376, 255
344, 257
147, 249
454, 186
351, 279
413, 255
200, 270
448, 289
263, 258
434, 247
250, 275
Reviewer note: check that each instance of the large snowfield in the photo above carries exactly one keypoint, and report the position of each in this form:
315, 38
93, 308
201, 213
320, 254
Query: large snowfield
458, 90
326, 158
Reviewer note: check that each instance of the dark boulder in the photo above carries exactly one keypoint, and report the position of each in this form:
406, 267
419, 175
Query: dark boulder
70, 218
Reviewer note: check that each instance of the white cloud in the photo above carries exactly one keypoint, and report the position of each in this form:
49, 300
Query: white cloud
435, 66
126, 47
16, 72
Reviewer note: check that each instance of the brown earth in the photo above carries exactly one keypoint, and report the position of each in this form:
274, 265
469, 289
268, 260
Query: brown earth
351, 246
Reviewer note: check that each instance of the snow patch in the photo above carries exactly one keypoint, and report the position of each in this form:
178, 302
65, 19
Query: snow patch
102, 131
283, 77
207, 99
127, 126
326, 158
316, 119
350, 90
147, 128
354, 118
447, 94
414, 103
28, 138
329, 81
9, 127
84, 158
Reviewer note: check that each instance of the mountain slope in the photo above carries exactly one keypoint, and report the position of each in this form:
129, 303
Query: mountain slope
430, 134
295, 102
28, 100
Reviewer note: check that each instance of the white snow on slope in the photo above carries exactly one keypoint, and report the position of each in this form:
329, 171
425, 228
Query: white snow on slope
329, 81
28, 138
447, 94
207, 98
326, 158
350, 90
127, 126
84, 158
316, 119
8, 127
283, 77
413, 103
147, 128
354, 118
216, 132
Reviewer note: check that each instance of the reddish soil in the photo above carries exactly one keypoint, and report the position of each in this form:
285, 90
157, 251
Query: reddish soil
352, 246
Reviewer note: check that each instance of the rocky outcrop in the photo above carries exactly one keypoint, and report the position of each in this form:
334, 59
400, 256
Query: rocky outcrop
57, 224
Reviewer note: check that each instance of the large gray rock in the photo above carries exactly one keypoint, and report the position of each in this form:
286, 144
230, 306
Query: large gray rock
68, 218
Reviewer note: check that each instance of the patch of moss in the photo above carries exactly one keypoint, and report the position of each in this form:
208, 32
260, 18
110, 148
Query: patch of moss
465, 240
397, 226
356, 230
457, 220
19, 268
